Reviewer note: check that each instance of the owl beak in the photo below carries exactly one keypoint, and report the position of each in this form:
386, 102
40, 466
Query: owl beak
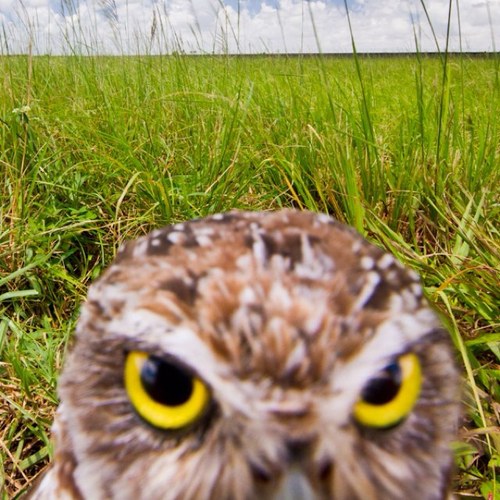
295, 486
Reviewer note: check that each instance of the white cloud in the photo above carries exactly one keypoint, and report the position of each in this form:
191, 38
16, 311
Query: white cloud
130, 26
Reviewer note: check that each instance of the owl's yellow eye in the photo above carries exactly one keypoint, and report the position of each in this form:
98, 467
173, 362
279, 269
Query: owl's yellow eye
163, 394
390, 396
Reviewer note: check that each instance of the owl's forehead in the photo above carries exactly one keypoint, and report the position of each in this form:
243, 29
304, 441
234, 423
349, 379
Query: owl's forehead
263, 290
259, 234
300, 248
298, 237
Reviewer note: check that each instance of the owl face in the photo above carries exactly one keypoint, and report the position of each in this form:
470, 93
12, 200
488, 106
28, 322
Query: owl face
256, 355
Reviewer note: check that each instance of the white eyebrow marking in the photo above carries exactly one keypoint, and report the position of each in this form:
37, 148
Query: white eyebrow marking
184, 344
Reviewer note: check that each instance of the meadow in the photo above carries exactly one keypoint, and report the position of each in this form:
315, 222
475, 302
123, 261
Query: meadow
98, 150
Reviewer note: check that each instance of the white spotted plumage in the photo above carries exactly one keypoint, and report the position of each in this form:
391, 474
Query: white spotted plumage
286, 317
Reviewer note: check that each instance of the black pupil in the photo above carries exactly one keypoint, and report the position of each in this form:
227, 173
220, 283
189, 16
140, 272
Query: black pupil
166, 383
383, 388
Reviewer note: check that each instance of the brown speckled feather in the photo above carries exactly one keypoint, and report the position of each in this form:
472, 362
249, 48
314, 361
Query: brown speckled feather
285, 317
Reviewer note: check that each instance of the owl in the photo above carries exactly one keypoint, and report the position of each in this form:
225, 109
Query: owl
255, 355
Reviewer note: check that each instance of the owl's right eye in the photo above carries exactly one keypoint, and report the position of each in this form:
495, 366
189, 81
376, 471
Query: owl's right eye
164, 394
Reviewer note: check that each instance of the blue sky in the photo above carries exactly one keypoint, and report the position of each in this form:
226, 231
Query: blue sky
131, 26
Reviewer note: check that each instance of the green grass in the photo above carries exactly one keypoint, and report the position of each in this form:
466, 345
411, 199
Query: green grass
96, 150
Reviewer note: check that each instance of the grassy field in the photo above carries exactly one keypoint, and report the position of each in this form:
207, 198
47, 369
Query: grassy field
97, 150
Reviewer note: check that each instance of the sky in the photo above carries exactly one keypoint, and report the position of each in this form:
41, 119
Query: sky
247, 26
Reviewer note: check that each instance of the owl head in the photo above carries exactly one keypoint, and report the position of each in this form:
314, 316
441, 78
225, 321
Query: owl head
255, 355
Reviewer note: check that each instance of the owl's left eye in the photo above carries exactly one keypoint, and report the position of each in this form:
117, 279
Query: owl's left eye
162, 393
389, 397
